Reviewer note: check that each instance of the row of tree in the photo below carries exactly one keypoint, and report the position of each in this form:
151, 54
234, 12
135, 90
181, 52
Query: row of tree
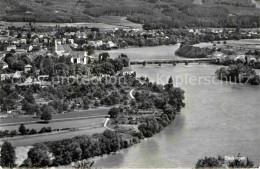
212, 162
71, 150
238, 73
24, 131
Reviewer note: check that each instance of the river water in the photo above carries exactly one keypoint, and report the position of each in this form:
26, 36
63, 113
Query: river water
219, 119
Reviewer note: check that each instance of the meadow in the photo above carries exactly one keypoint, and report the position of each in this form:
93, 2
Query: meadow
75, 114
247, 43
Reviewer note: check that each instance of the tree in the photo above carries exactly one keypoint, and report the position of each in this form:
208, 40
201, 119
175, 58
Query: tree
7, 155
27, 163
210, 162
103, 56
118, 63
22, 129
46, 116
170, 81
39, 156
169, 86
159, 102
96, 104
108, 68
46, 113
8, 103
30, 108
113, 113
10, 60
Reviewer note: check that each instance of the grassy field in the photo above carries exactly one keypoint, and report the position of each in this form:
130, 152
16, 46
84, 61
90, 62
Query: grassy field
27, 141
24, 145
75, 114
247, 43
137, 53
105, 26
57, 125
119, 21
82, 126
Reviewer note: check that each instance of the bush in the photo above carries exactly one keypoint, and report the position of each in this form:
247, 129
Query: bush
32, 132
45, 130
13, 133
210, 162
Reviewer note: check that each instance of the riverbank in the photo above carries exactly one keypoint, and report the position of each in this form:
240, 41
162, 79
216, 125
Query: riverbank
227, 52
213, 122
126, 126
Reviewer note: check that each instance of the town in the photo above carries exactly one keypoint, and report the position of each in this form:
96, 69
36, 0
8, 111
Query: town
54, 76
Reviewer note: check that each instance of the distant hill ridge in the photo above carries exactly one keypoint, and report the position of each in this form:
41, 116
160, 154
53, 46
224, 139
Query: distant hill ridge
151, 13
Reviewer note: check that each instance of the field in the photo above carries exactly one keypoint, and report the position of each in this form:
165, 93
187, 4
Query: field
83, 126
245, 43
24, 145
119, 22
75, 114
137, 53
58, 125
28, 141
106, 23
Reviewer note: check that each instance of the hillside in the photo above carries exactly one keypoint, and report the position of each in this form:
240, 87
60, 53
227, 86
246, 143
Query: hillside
151, 13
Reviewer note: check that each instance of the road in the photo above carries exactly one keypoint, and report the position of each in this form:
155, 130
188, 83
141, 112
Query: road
131, 94
105, 125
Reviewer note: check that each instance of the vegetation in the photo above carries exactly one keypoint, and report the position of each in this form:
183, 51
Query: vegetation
23, 131
72, 94
157, 103
75, 149
164, 99
46, 113
7, 155
193, 52
153, 14
212, 162
238, 73
113, 113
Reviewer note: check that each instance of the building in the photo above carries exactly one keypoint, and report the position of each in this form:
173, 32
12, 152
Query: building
9, 48
79, 59
7, 76
59, 50
27, 68
126, 71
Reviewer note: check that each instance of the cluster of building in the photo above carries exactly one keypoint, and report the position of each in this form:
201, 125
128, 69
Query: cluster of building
226, 32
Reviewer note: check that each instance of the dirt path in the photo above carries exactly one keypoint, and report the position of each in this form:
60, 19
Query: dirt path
131, 94
105, 125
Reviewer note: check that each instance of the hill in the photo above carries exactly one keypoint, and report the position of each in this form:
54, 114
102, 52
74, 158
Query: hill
151, 13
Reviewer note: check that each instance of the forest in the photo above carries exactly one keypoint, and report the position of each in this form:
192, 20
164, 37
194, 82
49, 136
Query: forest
153, 14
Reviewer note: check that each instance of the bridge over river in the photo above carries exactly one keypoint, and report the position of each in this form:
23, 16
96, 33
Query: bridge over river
174, 62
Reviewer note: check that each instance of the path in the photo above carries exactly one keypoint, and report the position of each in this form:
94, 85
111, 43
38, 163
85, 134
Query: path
105, 125
131, 94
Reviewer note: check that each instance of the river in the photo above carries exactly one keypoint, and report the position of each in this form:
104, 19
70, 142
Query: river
219, 119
